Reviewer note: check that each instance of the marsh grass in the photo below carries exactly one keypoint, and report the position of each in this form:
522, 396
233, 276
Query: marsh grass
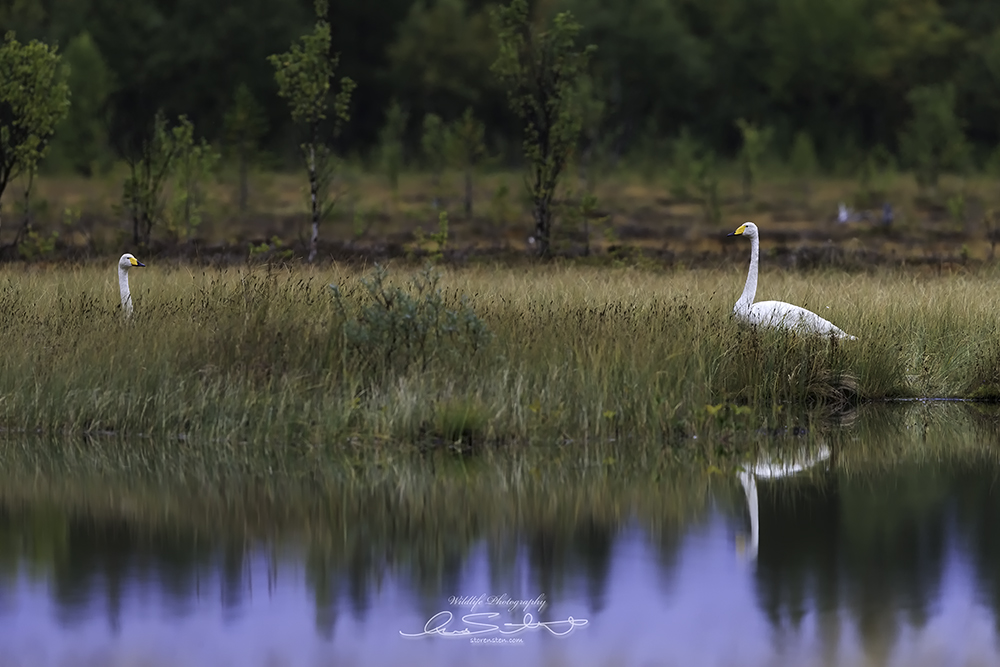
269, 362
426, 514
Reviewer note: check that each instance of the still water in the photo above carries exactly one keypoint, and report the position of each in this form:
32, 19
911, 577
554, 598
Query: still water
875, 542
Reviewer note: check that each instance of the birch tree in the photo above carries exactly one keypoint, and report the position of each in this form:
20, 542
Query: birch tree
34, 98
303, 74
542, 70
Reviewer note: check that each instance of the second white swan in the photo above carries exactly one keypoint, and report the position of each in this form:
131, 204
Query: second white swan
777, 314
126, 262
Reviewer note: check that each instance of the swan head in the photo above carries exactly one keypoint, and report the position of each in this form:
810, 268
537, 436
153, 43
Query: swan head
127, 261
746, 229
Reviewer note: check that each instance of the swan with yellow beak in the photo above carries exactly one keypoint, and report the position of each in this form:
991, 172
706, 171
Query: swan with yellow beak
776, 314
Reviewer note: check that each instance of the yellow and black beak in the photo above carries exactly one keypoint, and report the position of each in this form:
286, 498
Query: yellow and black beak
135, 262
738, 232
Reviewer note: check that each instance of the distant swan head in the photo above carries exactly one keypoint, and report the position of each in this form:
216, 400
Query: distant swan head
126, 262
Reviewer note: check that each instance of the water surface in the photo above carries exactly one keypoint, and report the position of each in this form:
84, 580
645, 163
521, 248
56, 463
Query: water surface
874, 543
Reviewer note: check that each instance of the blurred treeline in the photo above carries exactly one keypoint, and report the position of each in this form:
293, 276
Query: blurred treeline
838, 79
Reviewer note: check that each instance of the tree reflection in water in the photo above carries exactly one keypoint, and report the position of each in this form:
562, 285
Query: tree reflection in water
868, 531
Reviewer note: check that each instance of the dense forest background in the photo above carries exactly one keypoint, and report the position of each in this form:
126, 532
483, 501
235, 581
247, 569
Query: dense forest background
844, 74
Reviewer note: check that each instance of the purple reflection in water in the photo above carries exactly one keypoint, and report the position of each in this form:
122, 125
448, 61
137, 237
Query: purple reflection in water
700, 608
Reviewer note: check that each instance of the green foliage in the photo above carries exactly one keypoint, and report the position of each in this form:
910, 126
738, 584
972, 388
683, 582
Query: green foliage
836, 69
502, 212
647, 152
706, 184
22, 13
467, 136
34, 98
435, 243
441, 56
81, 142
71, 223
802, 158
245, 124
434, 142
696, 167
37, 245
830, 64
275, 248
363, 219
755, 144
595, 144
391, 143
467, 147
956, 210
665, 54
876, 170
992, 164
581, 216
395, 329
303, 74
685, 155
193, 167
541, 70
933, 141
142, 192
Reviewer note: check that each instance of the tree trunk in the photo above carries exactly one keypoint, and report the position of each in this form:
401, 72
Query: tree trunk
187, 210
436, 188
468, 193
26, 225
243, 182
313, 187
543, 225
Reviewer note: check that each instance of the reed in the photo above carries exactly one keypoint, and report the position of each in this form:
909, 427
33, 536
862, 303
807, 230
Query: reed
271, 362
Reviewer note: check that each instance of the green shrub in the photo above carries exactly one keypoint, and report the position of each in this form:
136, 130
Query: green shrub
391, 329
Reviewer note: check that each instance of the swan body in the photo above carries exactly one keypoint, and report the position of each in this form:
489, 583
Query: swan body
765, 468
126, 262
776, 314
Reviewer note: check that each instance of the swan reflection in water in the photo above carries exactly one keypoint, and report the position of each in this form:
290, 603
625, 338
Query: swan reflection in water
767, 468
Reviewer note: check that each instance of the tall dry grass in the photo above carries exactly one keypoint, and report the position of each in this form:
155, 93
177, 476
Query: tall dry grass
266, 359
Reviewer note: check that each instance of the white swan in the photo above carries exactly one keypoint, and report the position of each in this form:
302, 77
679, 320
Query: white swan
126, 262
776, 313
765, 468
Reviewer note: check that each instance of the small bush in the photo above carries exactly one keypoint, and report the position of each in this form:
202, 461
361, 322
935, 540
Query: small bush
395, 329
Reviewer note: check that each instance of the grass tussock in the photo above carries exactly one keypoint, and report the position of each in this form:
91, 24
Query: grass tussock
275, 358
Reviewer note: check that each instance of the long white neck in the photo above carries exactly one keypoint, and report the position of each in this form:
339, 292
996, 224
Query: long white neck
750, 488
750, 289
126, 294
